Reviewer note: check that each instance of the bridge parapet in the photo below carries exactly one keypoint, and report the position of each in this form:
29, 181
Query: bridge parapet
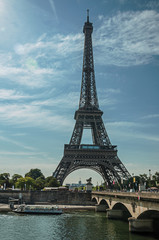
145, 196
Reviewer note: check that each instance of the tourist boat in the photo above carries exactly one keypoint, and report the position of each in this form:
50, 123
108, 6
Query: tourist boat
37, 209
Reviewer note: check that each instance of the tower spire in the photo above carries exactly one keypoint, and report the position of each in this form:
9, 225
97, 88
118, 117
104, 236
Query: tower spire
88, 96
87, 15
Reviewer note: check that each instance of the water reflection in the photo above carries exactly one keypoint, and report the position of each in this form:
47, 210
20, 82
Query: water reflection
71, 226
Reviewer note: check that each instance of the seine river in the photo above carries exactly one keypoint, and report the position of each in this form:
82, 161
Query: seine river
68, 226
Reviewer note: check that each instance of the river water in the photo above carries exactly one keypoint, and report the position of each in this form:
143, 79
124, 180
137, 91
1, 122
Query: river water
68, 226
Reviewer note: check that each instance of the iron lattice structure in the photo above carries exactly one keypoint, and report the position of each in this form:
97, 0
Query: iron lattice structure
101, 156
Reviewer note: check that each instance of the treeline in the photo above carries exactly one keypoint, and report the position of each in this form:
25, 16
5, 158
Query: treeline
33, 180
135, 182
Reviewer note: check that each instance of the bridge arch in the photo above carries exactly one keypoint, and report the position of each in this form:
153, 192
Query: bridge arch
103, 202
149, 214
124, 211
94, 200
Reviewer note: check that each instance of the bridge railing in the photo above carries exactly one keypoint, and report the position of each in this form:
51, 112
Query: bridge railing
139, 195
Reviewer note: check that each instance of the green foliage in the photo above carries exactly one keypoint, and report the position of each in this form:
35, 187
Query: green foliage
51, 182
35, 173
35, 179
21, 183
39, 183
30, 182
143, 177
15, 178
156, 177
4, 176
4, 179
26, 183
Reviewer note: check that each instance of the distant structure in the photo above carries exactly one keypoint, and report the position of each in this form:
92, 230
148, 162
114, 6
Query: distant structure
89, 185
101, 156
89, 180
74, 186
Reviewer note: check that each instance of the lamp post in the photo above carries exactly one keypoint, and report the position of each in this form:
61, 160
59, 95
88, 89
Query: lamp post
150, 174
132, 180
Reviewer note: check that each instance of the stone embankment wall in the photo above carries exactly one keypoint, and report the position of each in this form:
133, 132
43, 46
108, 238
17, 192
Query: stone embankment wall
53, 196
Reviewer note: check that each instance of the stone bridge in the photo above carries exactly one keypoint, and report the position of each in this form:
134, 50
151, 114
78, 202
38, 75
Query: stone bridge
140, 209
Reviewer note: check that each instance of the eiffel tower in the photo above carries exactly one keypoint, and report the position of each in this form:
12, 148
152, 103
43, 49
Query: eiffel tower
101, 156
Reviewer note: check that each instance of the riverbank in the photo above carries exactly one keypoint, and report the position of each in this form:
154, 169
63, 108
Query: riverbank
65, 208
4, 208
59, 196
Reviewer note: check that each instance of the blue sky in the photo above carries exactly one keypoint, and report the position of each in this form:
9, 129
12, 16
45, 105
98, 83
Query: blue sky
41, 51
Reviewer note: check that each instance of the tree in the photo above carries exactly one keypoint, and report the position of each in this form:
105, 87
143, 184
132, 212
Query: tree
51, 182
143, 178
15, 178
39, 183
35, 173
30, 183
4, 176
4, 179
156, 176
25, 183
21, 183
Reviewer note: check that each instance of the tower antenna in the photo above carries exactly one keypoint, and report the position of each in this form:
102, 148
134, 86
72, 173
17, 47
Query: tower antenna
87, 15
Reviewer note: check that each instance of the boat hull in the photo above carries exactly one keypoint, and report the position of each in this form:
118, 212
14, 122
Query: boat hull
26, 209
40, 213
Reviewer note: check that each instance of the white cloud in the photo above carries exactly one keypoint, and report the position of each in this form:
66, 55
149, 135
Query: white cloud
8, 94
151, 116
69, 100
59, 44
105, 101
34, 64
40, 110
29, 115
128, 38
107, 97
30, 76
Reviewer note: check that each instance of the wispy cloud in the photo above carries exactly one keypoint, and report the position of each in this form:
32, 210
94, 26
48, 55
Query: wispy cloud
128, 38
61, 45
34, 64
151, 116
130, 130
19, 153
108, 96
8, 94
109, 90
69, 100
31, 77
44, 110
53, 9
126, 125
19, 144
28, 115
